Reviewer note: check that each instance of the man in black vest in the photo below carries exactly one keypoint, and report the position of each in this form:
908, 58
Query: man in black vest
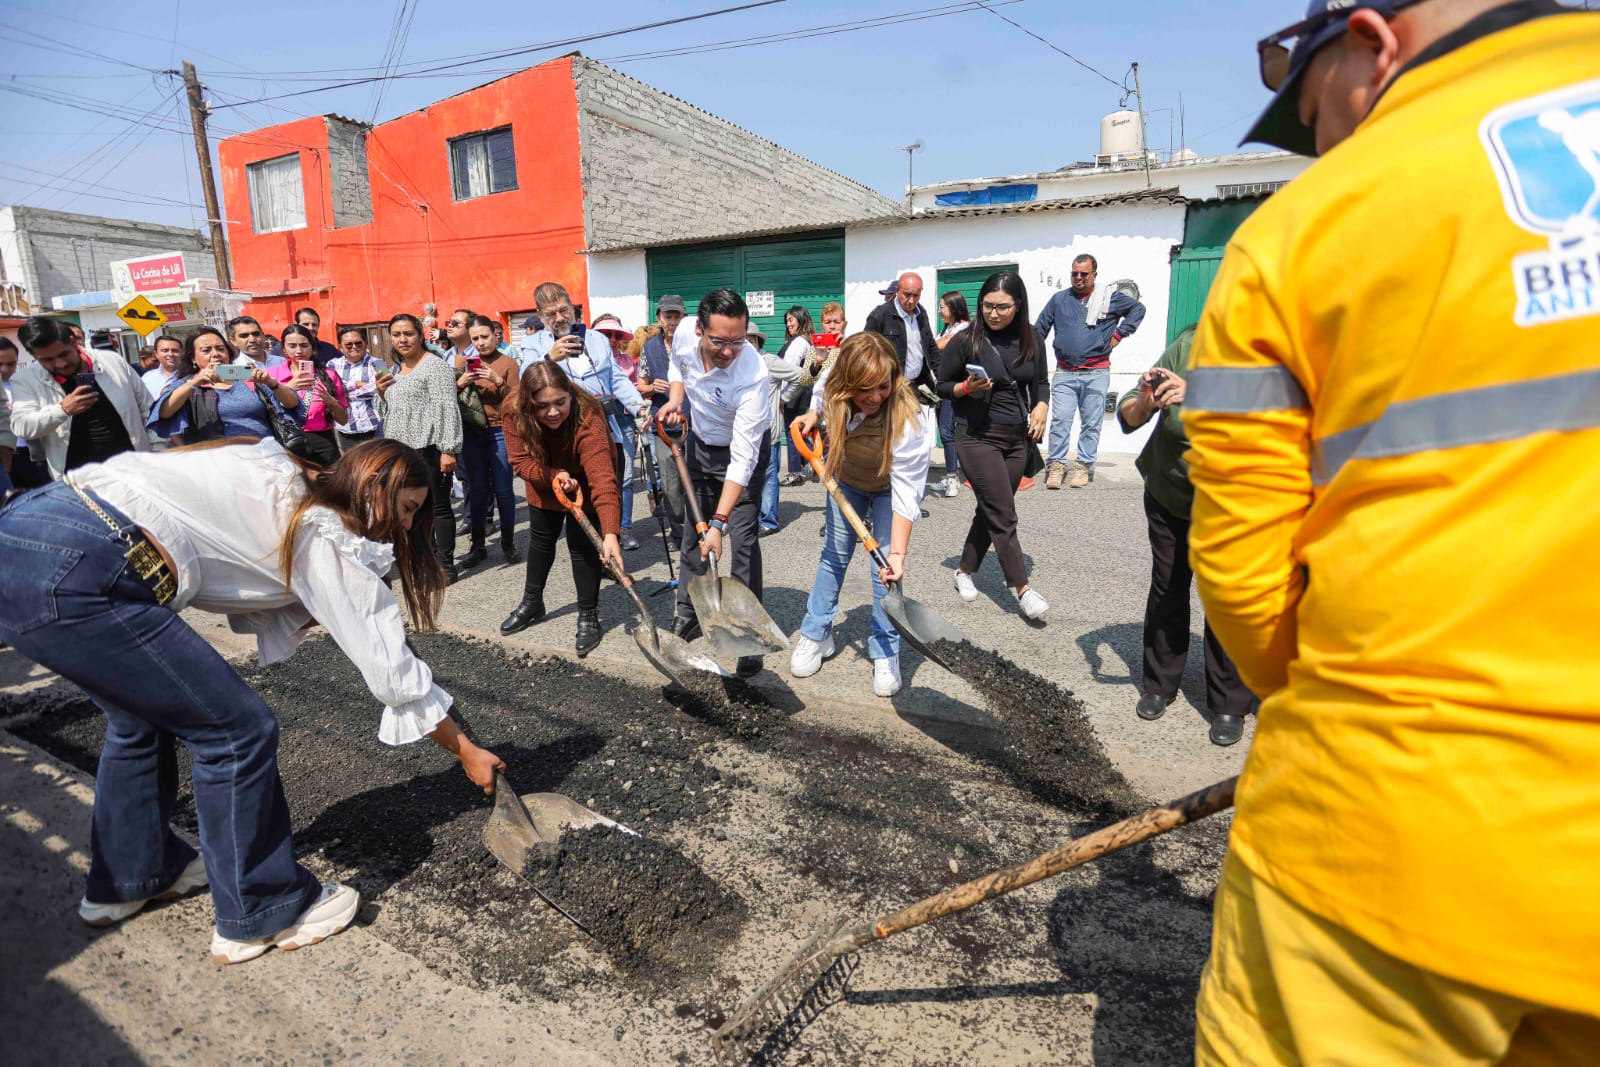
904, 322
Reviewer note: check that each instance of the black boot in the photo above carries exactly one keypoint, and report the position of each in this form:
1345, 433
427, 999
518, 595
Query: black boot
477, 554
1226, 729
588, 630
508, 548
524, 615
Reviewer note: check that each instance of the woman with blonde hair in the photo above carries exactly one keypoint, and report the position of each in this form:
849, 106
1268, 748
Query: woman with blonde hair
878, 452
246, 530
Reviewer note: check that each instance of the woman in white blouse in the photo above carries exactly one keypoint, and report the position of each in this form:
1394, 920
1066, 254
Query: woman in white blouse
877, 451
97, 568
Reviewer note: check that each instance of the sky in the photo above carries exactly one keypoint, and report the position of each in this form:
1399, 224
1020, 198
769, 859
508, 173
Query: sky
111, 136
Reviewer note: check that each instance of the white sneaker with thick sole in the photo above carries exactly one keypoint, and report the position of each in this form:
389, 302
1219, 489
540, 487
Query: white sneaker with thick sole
1032, 605
808, 655
192, 878
952, 487
964, 586
331, 913
886, 676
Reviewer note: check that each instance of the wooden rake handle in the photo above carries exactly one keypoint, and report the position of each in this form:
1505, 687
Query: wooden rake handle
810, 447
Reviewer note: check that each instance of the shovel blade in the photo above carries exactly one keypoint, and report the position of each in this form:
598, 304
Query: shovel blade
553, 814
919, 624
670, 655
733, 619
509, 834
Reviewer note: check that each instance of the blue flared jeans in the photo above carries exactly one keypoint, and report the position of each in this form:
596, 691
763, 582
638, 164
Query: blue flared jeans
838, 546
70, 601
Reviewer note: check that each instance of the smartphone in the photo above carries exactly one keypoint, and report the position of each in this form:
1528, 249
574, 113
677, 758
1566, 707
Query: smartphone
233, 372
577, 329
975, 370
825, 340
86, 378
306, 366
1157, 376
474, 364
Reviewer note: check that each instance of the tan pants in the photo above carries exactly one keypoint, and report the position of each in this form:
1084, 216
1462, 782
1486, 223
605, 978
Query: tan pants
1285, 987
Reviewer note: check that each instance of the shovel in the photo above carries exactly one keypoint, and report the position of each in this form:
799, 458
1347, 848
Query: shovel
731, 616
667, 652
919, 624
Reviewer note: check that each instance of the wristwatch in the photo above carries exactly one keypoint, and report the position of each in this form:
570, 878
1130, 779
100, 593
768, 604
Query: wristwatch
717, 524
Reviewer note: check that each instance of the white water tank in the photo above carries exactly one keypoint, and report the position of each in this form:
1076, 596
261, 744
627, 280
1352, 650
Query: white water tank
1120, 136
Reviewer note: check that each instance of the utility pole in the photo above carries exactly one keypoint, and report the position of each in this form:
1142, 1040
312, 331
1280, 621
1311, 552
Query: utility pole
1144, 146
208, 183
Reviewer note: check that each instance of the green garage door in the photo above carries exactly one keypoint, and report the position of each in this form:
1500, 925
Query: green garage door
805, 270
1206, 229
964, 280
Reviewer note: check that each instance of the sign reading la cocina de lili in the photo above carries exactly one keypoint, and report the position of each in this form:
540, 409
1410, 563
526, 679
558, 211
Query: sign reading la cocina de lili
158, 278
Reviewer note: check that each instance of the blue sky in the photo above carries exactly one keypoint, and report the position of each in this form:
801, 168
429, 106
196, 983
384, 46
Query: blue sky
984, 97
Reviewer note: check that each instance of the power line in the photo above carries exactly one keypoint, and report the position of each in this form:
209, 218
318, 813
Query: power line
74, 49
1047, 44
152, 198
567, 43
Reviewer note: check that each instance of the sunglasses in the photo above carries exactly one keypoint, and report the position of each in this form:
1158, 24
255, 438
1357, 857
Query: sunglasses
1276, 52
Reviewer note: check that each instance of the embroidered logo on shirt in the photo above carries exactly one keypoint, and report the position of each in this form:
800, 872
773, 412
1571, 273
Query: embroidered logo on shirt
1546, 156
716, 396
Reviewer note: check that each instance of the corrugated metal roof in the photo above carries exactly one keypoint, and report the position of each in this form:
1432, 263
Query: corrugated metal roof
1148, 196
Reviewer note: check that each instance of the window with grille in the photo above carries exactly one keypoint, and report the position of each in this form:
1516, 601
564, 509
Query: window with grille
1249, 189
483, 163
277, 200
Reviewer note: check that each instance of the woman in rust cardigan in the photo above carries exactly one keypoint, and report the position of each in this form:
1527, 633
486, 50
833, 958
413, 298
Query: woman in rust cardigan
554, 428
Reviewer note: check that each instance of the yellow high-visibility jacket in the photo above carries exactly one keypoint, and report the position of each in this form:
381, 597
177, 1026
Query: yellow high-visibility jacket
1394, 415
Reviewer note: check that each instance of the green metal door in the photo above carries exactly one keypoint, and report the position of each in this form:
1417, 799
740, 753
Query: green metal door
808, 271
964, 280
1193, 270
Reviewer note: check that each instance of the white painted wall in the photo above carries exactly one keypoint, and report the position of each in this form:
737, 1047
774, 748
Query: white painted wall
1197, 180
1129, 241
619, 284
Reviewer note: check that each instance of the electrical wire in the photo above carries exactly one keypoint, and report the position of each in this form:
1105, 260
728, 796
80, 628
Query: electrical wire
151, 198
1053, 47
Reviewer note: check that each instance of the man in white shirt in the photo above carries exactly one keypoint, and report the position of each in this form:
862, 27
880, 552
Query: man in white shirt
728, 446
251, 342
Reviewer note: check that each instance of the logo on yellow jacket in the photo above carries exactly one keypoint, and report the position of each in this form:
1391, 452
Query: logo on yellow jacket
1546, 155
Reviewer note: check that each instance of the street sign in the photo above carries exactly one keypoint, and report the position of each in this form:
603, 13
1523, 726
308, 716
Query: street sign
142, 315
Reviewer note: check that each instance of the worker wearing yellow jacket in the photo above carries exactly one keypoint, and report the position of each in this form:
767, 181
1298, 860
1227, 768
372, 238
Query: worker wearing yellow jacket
1394, 413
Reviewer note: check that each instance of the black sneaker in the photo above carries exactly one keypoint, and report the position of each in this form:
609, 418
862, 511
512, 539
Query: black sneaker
1226, 729
1151, 707
628, 542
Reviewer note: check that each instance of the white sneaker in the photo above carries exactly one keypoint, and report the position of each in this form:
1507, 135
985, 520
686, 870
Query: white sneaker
886, 676
952, 486
330, 914
808, 656
192, 878
964, 586
1032, 605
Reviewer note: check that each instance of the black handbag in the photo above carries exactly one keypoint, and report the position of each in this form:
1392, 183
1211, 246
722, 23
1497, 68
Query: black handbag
291, 435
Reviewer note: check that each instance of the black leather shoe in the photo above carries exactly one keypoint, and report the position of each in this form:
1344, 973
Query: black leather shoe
686, 629
451, 575
1152, 706
1226, 729
628, 542
508, 549
473, 558
748, 666
524, 615
588, 631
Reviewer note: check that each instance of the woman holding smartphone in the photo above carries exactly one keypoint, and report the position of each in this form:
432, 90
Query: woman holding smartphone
322, 394
417, 401
555, 429
483, 452
996, 376
955, 317
211, 396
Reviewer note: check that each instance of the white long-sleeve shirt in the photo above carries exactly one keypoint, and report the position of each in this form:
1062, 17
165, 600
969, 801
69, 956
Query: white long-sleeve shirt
730, 404
908, 466
221, 514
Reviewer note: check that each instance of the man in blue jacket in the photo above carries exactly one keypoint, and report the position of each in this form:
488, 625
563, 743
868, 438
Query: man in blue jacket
1088, 324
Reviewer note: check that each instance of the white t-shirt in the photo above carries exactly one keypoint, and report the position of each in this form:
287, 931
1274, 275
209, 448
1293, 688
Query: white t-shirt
221, 513
730, 405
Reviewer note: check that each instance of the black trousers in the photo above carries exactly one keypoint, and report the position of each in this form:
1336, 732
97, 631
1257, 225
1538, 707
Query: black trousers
1166, 621
544, 529
347, 441
27, 472
993, 464
444, 520
708, 467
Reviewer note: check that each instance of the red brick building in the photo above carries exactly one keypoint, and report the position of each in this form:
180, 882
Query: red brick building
475, 200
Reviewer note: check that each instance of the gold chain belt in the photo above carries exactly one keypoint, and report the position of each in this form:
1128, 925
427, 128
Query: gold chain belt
142, 556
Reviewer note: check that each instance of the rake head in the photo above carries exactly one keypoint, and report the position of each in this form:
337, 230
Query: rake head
812, 980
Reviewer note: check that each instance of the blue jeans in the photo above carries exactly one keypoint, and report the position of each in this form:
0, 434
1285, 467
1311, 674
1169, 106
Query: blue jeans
947, 435
630, 446
69, 601
769, 495
484, 464
838, 546
1083, 392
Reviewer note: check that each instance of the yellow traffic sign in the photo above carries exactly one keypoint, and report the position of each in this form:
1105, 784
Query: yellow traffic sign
142, 315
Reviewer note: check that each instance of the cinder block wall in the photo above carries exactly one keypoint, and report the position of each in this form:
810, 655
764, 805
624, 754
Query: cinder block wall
656, 169
347, 159
62, 253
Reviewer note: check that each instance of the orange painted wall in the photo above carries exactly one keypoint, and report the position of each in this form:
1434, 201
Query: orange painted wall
422, 246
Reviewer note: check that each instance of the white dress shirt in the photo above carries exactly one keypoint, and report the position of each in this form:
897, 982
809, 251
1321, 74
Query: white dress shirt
730, 404
914, 354
221, 514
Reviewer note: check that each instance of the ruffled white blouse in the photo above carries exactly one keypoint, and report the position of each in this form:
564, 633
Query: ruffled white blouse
221, 514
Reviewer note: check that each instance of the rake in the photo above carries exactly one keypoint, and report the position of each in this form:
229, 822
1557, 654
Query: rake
794, 988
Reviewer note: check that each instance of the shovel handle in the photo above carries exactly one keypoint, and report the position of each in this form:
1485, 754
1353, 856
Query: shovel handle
575, 509
810, 446
689, 496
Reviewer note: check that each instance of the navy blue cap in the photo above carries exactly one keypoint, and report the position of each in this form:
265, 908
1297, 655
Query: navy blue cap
1279, 125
